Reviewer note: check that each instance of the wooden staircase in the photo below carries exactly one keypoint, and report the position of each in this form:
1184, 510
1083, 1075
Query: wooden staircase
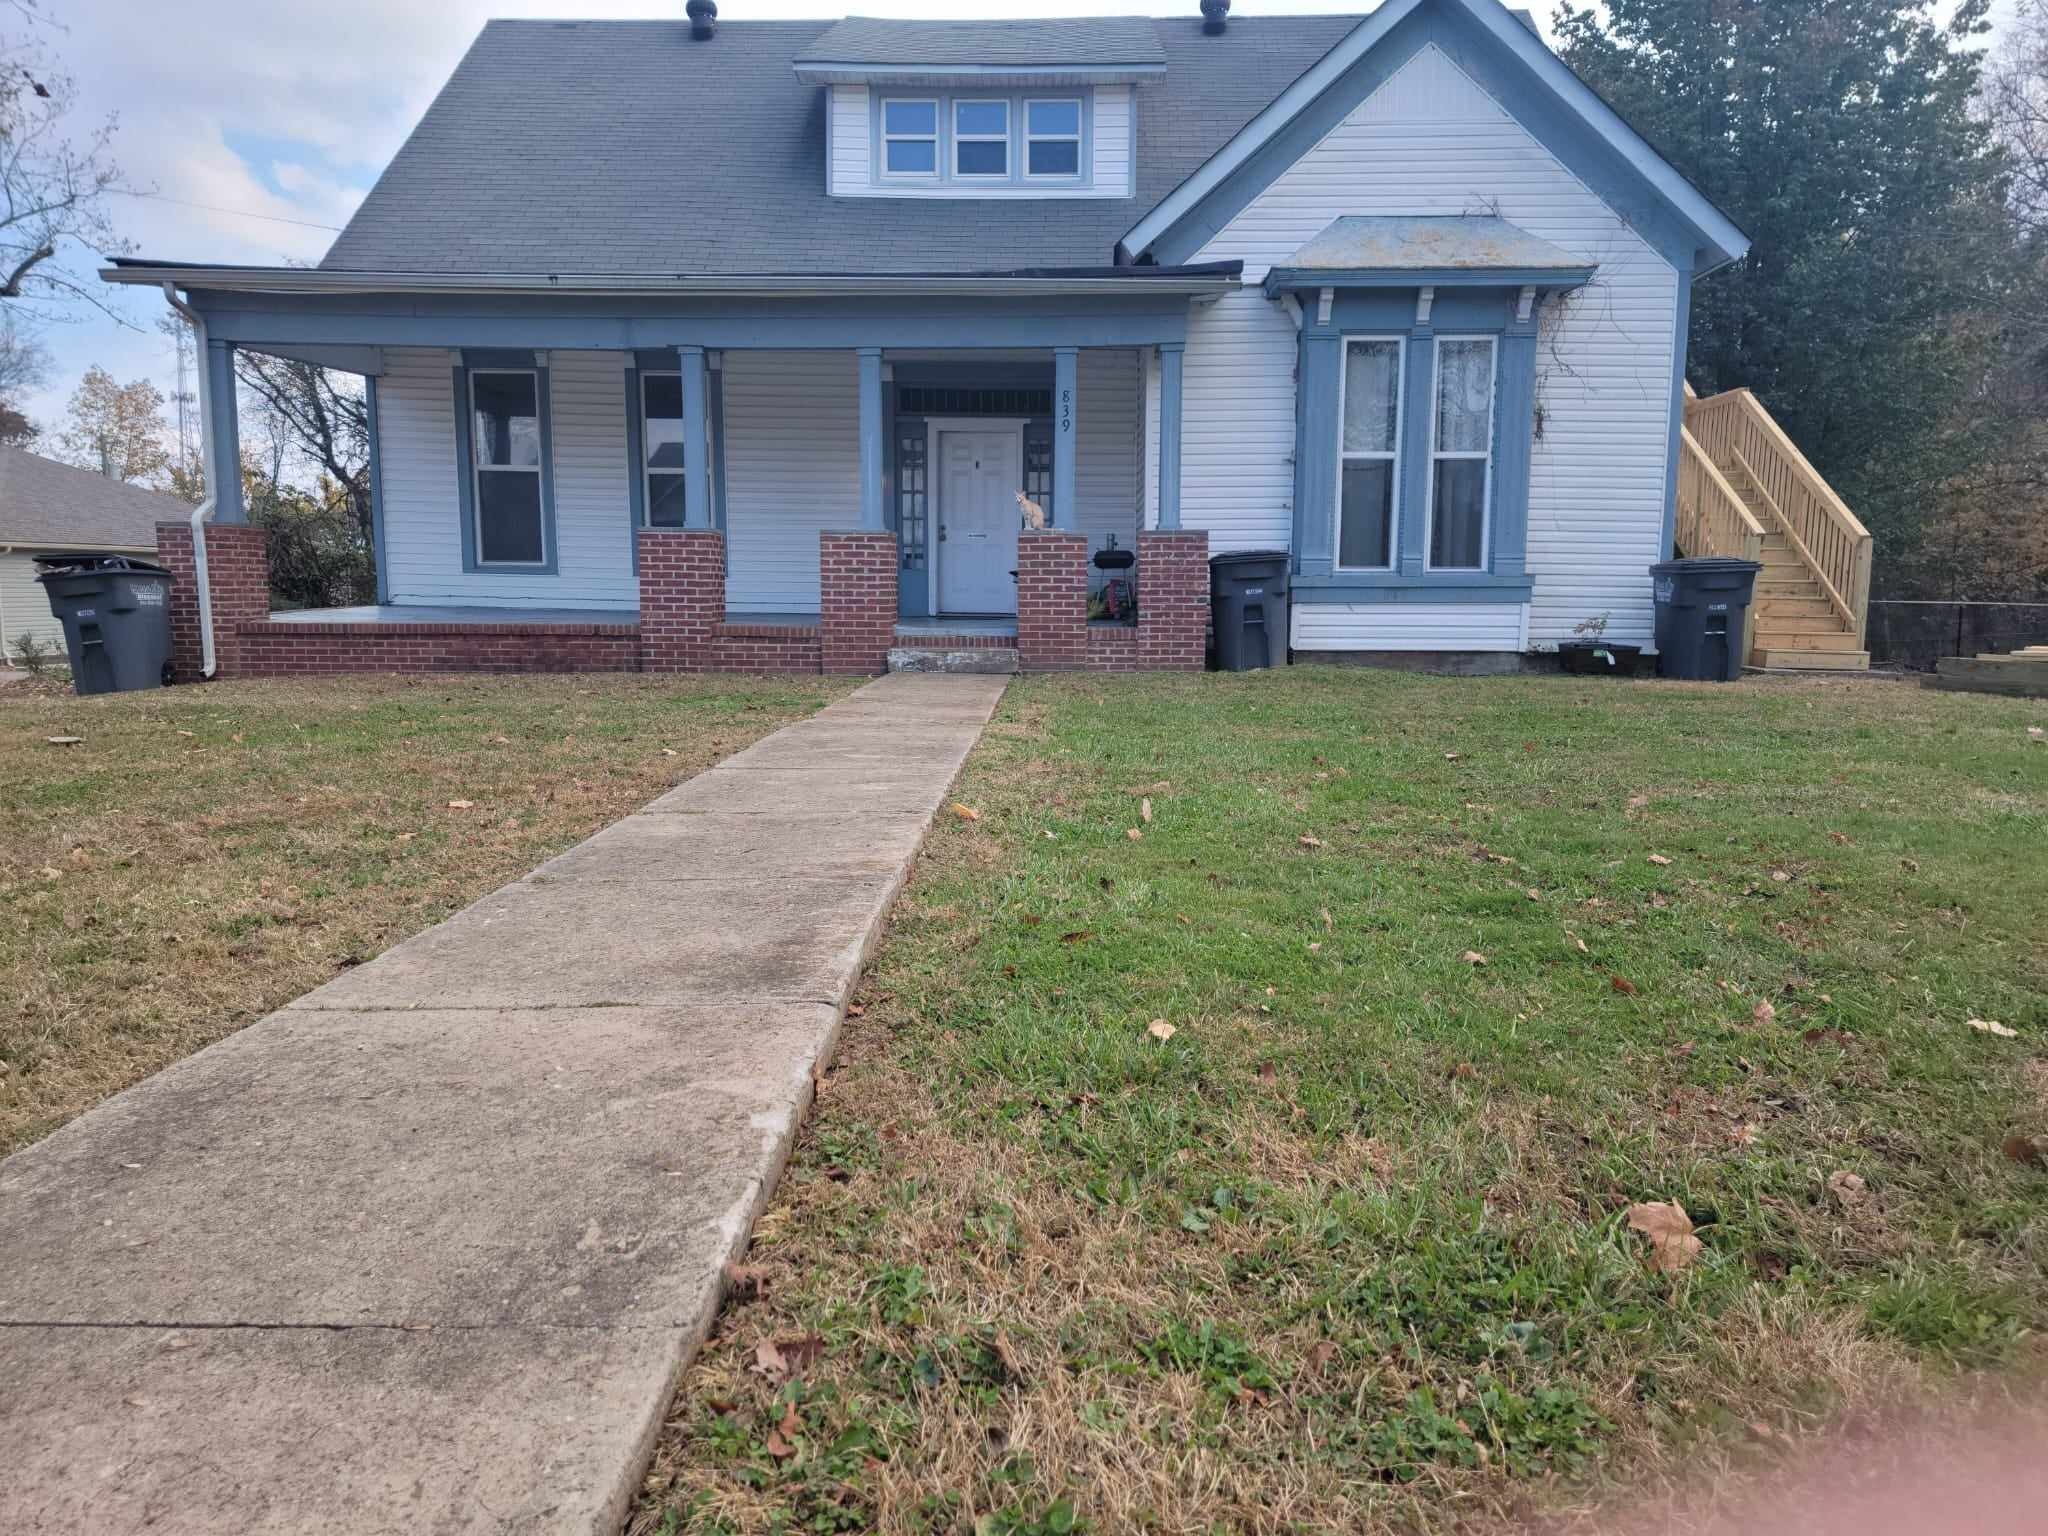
1745, 490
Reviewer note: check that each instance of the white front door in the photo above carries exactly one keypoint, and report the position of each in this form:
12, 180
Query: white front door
980, 474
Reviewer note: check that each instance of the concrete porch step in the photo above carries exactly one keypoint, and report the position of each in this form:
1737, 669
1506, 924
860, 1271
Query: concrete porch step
990, 660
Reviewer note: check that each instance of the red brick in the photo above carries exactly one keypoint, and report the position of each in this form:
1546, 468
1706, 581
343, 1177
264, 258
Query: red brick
857, 601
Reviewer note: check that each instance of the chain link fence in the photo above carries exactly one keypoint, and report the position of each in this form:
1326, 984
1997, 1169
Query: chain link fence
1915, 634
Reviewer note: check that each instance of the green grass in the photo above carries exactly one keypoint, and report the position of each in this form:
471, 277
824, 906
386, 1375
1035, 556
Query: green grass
1349, 1250
204, 855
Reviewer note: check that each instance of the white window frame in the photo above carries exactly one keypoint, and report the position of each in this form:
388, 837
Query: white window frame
935, 138
1436, 454
1080, 121
478, 469
647, 469
957, 138
1345, 455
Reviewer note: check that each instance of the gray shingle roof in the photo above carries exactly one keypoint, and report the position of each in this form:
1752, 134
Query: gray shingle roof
1075, 41
47, 505
626, 147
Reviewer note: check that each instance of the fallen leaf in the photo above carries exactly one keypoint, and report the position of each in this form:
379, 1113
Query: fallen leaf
1533, 894
780, 1359
1159, 1029
1577, 943
1911, 866
746, 1280
2030, 1150
1145, 811
1315, 946
1307, 840
1658, 858
1320, 1354
1993, 1027
461, 805
1763, 1013
1078, 936
1780, 876
1450, 757
1329, 922
1672, 1244
1622, 985
1744, 1135
1473, 957
1464, 1070
1637, 802
1840, 1037
1848, 1189
1135, 834
966, 812
855, 1010
1268, 1073
2035, 733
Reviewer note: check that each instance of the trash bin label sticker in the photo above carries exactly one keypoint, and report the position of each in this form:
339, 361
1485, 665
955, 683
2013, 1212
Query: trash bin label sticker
1717, 607
149, 597
1253, 592
87, 613
1665, 587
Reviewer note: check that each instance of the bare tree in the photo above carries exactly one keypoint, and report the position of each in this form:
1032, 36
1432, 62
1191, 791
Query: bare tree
24, 365
54, 189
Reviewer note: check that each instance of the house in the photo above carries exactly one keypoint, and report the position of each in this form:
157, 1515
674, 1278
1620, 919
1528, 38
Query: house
47, 509
733, 344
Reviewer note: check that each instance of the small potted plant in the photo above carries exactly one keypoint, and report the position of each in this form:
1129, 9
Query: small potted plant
1593, 654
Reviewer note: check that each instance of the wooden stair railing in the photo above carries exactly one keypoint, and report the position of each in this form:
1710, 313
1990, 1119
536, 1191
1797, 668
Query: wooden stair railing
1735, 431
1712, 518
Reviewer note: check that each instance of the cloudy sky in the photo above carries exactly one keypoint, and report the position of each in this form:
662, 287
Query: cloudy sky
257, 125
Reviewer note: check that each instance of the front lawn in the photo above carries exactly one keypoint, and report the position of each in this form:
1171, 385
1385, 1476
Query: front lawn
200, 856
1242, 1121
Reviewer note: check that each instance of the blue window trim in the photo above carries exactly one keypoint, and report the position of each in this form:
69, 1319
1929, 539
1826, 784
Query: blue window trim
880, 177
1388, 312
648, 360
476, 360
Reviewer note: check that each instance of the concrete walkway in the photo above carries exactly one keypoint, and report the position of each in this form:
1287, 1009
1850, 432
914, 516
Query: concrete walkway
427, 1250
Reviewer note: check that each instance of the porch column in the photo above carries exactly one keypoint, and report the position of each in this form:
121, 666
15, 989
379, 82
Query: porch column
1170, 357
1066, 410
696, 439
224, 433
870, 439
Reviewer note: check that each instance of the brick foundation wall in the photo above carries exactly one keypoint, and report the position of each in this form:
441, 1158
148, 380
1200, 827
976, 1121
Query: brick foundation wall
744, 647
238, 572
1173, 600
857, 601
285, 650
1052, 600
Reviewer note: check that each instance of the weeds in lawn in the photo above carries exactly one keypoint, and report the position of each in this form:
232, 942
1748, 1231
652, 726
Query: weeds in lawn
1349, 1249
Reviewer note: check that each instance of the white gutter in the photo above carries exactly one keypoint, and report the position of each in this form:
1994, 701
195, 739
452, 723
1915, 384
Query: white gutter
313, 280
204, 510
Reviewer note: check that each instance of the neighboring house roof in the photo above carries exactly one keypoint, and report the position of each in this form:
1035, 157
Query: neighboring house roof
1072, 41
47, 505
627, 147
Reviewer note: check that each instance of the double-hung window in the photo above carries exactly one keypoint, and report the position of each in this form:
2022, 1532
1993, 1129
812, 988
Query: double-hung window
508, 465
1369, 463
981, 139
910, 137
1461, 453
661, 439
1052, 139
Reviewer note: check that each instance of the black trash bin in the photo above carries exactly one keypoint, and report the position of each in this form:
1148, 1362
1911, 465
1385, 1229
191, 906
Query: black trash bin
116, 613
1702, 614
1248, 603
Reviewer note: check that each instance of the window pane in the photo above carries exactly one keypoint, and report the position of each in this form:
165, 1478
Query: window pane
508, 516
1458, 519
913, 156
983, 157
981, 117
1365, 526
1054, 117
661, 431
1055, 157
507, 425
1372, 391
1464, 396
665, 501
910, 117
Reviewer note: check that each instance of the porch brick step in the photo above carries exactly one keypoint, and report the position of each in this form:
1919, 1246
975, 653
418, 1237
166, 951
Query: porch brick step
989, 659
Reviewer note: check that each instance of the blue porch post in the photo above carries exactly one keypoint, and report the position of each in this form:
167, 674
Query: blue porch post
1066, 412
1171, 354
696, 439
870, 439
224, 427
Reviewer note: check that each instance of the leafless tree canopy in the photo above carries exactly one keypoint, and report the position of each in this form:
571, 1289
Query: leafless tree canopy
53, 188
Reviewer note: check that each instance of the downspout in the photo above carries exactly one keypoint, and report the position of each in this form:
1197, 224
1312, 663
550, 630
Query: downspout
204, 510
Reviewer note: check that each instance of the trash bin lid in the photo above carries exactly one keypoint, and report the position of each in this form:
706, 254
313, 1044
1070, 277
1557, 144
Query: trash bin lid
1703, 564
76, 565
1238, 557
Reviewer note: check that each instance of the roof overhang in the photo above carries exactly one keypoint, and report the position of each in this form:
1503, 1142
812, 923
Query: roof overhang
1722, 241
1468, 251
950, 76
1207, 278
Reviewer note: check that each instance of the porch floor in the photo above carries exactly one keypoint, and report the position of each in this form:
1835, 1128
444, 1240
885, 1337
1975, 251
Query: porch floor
449, 613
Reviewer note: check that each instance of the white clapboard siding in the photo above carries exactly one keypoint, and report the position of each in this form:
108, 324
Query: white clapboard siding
1111, 151
848, 167
1106, 450
422, 499
1410, 626
1431, 141
792, 470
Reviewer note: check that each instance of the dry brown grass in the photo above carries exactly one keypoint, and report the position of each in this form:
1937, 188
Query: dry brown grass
206, 855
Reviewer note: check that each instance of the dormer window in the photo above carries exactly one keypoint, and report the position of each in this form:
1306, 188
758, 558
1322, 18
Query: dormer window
981, 138
1052, 139
910, 137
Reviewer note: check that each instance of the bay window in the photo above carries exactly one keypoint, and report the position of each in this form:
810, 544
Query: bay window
1369, 461
1461, 453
